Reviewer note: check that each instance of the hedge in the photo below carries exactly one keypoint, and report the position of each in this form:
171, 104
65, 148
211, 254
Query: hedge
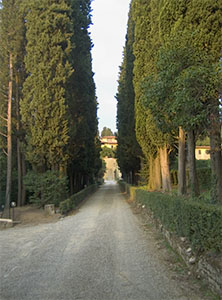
129, 189
200, 223
72, 202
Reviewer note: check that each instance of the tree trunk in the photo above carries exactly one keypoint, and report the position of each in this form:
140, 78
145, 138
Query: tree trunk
154, 183
71, 183
131, 177
19, 166
9, 140
192, 164
215, 153
150, 184
23, 175
182, 163
165, 170
19, 160
157, 173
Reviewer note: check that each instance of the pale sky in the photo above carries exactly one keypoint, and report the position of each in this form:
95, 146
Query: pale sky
108, 36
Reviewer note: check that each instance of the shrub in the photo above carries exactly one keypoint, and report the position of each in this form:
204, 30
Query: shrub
46, 188
199, 222
72, 202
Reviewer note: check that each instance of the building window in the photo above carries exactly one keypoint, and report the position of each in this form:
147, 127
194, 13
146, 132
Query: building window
199, 152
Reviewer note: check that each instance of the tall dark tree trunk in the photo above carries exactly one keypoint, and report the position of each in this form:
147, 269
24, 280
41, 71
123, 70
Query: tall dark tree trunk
19, 160
215, 153
192, 164
9, 140
71, 183
182, 163
23, 199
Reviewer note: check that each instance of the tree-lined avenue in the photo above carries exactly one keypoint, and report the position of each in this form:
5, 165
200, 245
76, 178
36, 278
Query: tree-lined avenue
102, 252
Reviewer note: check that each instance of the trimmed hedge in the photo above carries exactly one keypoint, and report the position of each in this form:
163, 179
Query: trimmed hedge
200, 223
72, 202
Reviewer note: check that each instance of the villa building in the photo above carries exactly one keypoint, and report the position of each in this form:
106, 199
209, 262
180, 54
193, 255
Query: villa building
109, 141
202, 152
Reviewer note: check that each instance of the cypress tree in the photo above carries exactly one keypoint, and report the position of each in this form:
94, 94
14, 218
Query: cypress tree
44, 107
82, 102
153, 142
128, 150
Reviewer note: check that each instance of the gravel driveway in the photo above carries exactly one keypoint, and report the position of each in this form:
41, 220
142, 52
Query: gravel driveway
100, 253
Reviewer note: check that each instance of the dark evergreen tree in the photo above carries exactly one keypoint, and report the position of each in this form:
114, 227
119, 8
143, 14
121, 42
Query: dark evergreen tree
154, 143
12, 36
128, 149
106, 132
44, 107
83, 145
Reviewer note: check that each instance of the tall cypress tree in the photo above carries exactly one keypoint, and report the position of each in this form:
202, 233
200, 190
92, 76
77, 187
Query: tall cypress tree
128, 150
44, 107
153, 142
82, 100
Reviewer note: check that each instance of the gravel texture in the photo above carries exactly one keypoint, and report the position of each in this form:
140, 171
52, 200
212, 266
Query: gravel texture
102, 252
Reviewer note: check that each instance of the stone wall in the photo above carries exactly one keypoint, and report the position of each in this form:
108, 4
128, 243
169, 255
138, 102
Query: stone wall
207, 267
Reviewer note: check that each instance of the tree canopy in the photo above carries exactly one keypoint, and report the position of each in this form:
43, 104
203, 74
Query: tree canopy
106, 132
54, 115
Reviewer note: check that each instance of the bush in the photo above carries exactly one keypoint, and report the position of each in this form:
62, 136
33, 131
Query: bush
46, 188
72, 202
200, 223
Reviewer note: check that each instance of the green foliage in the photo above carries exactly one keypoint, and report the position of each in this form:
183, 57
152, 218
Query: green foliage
128, 149
204, 176
72, 202
106, 132
83, 147
201, 224
144, 64
107, 152
46, 188
44, 108
203, 141
180, 92
101, 173
145, 49
51, 53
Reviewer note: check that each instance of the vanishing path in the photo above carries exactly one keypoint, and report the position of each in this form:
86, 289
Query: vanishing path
101, 253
